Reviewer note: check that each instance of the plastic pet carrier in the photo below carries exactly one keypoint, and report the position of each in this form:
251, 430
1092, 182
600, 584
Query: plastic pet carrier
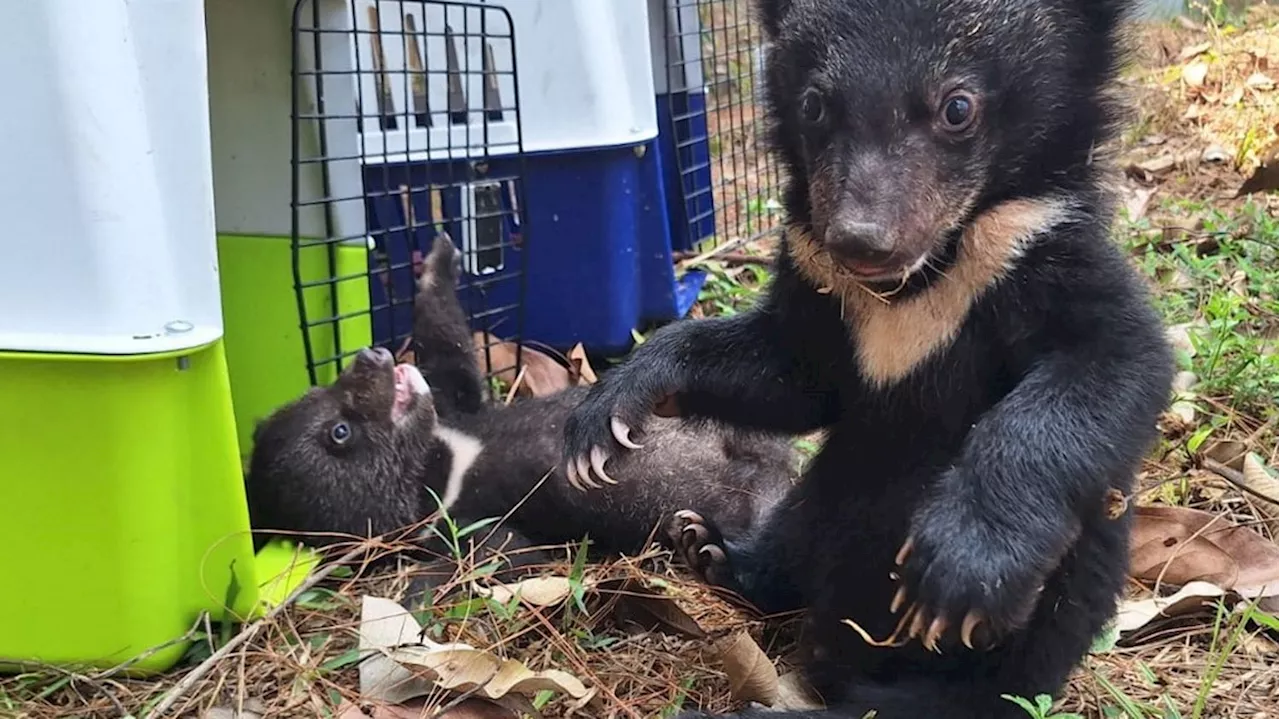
563, 146
120, 479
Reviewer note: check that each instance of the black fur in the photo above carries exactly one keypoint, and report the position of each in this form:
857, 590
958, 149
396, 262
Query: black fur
442, 336
300, 482
995, 453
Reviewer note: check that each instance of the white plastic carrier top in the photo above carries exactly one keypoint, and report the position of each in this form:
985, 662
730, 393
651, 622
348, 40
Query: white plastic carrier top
586, 76
106, 199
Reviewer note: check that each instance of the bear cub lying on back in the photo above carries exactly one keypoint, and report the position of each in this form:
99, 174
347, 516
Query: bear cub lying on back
366, 453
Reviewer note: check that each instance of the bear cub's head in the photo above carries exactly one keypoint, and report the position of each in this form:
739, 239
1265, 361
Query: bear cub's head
900, 122
347, 453
358, 455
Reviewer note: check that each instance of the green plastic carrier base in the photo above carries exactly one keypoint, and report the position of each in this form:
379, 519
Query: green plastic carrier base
124, 516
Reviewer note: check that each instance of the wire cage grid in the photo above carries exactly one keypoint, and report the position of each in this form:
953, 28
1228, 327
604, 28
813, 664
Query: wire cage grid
720, 41
385, 101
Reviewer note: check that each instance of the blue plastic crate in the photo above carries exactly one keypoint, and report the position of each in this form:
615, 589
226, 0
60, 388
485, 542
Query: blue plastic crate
600, 231
686, 151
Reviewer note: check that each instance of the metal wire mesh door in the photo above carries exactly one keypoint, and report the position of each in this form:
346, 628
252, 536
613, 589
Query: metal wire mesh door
728, 182
408, 110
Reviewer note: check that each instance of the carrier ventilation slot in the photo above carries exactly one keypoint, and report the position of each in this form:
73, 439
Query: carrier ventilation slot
386, 105
457, 96
418, 74
483, 237
415, 71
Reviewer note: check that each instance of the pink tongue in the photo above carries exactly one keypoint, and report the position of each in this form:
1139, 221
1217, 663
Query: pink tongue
403, 394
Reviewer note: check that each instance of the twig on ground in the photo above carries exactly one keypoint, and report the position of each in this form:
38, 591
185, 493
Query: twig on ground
195, 675
728, 258
93, 682
515, 385
714, 251
153, 651
1236, 478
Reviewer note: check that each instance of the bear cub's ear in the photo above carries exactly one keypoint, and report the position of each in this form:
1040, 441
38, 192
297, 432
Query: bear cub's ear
771, 13
1104, 16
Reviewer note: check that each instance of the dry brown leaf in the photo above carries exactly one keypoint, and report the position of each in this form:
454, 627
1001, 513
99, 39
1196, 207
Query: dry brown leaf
1139, 200
1183, 405
1228, 452
406, 356
1259, 81
384, 623
1184, 381
1158, 165
1239, 284
542, 375
1210, 485
580, 370
640, 608
420, 709
1173, 425
1188, 159
1257, 478
1179, 227
1134, 614
1215, 154
383, 710
1195, 73
795, 694
474, 670
1260, 646
1185, 410
1179, 337
1191, 51
478, 709
636, 606
1162, 550
1178, 545
751, 675
251, 708
390, 639
537, 591
1173, 278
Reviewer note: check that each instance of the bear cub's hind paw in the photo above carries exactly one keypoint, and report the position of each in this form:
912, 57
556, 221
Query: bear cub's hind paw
701, 546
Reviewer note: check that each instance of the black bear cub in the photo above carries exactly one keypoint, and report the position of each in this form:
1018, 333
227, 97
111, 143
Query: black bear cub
947, 301
365, 454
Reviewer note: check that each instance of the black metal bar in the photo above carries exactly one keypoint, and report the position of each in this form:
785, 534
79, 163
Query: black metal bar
445, 178
738, 176
295, 183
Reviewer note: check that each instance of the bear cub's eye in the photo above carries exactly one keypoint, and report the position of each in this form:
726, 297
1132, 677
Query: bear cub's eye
812, 108
958, 111
340, 433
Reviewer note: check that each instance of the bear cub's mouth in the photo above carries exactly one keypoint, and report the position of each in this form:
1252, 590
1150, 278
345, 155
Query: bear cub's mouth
409, 386
884, 273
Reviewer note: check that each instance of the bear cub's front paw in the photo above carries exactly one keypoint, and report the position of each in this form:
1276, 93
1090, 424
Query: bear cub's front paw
603, 423
959, 579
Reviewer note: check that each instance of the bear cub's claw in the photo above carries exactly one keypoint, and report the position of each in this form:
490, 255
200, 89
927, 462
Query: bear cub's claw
942, 597
700, 546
